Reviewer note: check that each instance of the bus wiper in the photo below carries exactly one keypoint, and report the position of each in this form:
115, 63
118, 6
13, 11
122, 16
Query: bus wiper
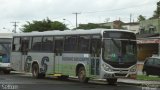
115, 43
6, 49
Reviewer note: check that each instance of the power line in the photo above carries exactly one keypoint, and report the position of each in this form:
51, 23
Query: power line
140, 5
111, 10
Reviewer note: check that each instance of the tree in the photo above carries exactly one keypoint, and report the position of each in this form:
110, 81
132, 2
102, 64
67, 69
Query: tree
92, 26
156, 12
58, 26
43, 25
141, 18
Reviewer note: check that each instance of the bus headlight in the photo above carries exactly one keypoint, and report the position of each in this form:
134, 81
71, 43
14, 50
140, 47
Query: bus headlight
133, 69
107, 68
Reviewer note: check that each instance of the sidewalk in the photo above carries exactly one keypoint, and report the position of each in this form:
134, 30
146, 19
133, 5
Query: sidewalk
139, 82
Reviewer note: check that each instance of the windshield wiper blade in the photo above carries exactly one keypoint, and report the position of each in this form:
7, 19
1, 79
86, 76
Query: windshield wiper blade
115, 44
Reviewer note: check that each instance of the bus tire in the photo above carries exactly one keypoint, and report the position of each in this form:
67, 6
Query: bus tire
6, 71
35, 70
82, 75
112, 81
41, 75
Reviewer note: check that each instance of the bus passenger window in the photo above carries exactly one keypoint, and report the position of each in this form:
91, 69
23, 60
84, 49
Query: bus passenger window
95, 47
13, 47
36, 43
16, 44
58, 49
25, 44
47, 44
83, 44
70, 44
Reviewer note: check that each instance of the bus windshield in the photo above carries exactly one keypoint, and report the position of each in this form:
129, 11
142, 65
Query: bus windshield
5, 52
119, 49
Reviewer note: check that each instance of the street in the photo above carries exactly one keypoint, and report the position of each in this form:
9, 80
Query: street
26, 82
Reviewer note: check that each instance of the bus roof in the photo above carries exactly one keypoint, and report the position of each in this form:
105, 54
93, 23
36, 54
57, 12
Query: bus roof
6, 35
68, 32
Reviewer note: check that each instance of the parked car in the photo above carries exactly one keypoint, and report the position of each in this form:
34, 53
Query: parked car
152, 66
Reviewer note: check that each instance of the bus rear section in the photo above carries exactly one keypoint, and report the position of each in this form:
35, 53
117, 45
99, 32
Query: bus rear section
5, 50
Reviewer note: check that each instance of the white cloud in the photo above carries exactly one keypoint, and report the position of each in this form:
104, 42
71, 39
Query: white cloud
28, 10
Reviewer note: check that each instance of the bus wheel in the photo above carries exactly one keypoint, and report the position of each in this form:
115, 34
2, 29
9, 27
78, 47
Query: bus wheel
82, 75
6, 72
35, 71
41, 75
111, 81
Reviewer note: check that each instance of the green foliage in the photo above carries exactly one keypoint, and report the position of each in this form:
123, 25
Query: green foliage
156, 12
92, 26
141, 18
43, 25
148, 78
58, 26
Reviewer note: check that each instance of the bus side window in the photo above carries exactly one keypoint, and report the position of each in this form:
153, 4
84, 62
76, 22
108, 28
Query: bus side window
83, 44
25, 45
58, 49
47, 44
70, 44
13, 47
95, 46
36, 44
16, 44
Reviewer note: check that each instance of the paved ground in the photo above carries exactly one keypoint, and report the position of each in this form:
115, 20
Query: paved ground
26, 82
139, 82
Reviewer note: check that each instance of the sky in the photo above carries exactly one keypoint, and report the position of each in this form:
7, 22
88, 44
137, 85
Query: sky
90, 11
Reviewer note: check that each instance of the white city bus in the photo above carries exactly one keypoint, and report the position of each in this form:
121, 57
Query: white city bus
86, 54
5, 50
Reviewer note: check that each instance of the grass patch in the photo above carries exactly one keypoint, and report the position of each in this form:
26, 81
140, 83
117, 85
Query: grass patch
148, 78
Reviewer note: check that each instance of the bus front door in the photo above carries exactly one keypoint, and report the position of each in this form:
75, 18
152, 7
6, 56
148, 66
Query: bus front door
58, 54
95, 55
24, 51
95, 61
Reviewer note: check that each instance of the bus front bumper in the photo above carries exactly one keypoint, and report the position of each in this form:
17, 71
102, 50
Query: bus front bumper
108, 71
119, 73
5, 66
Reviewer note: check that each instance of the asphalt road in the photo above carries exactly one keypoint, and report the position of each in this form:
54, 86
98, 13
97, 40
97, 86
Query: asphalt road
16, 81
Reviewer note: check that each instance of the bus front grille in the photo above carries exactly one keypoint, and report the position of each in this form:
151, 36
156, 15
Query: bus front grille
120, 74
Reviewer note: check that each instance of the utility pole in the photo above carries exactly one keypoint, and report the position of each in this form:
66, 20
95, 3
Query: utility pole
76, 17
15, 26
130, 18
